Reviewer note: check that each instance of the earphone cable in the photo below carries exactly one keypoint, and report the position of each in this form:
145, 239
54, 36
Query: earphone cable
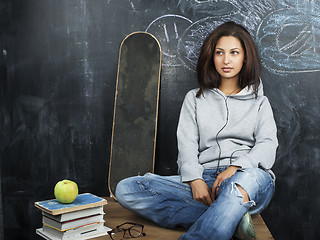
227, 120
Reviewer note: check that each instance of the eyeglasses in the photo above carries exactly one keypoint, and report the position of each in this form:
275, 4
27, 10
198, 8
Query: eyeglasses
135, 230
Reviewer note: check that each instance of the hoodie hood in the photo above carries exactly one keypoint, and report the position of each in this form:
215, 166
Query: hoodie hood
245, 94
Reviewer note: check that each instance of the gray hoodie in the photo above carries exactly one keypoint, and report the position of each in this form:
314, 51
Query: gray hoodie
220, 130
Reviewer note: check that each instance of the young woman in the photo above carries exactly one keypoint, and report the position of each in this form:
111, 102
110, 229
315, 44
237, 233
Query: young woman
227, 144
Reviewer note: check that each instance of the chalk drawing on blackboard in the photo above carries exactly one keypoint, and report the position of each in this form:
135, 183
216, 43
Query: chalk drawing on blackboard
206, 8
300, 5
288, 121
191, 41
288, 41
167, 29
253, 12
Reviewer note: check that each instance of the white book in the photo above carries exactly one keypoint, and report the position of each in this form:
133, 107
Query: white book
73, 215
75, 223
86, 232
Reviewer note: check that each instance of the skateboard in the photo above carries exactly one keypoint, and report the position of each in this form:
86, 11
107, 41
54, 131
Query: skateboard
134, 127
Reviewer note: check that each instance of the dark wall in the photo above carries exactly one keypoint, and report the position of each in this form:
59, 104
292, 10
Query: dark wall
58, 64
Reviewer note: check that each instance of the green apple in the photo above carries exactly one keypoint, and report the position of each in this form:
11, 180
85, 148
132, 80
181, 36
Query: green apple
66, 191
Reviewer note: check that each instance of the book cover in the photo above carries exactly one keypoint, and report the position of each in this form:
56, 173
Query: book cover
76, 214
83, 201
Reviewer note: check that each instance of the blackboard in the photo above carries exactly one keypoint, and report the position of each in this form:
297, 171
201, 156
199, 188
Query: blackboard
58, 63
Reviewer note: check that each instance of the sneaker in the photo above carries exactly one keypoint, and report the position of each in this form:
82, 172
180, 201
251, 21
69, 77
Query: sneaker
245, 229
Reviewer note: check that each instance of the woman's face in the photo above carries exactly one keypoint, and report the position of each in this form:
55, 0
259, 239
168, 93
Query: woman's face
228, 57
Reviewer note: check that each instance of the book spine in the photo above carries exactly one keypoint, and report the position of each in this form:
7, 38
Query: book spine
74, 215
80, 233
64, 230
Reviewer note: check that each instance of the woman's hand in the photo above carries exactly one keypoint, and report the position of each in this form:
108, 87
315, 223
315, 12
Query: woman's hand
220, 178
201, 192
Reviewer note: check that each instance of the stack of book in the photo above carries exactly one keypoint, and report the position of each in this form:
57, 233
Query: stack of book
82, 219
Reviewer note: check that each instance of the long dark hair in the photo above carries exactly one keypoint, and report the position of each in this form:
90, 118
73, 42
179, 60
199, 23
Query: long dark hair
207, 75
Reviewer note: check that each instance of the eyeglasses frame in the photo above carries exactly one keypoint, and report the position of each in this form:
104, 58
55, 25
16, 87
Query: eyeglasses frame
128, 229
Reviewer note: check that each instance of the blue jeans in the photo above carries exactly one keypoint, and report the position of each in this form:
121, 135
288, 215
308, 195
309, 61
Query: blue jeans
168, 202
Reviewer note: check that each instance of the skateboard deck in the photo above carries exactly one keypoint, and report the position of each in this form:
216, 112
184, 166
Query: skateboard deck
134, 128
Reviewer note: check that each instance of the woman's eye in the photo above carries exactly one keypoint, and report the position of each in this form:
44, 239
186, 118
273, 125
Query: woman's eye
235, 52
218, 52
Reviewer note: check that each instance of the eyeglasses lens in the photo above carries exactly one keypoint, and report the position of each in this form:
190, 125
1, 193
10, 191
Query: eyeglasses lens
135, 231
117, 233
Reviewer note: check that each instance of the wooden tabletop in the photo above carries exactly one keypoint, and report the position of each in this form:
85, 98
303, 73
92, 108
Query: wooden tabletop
115, 215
